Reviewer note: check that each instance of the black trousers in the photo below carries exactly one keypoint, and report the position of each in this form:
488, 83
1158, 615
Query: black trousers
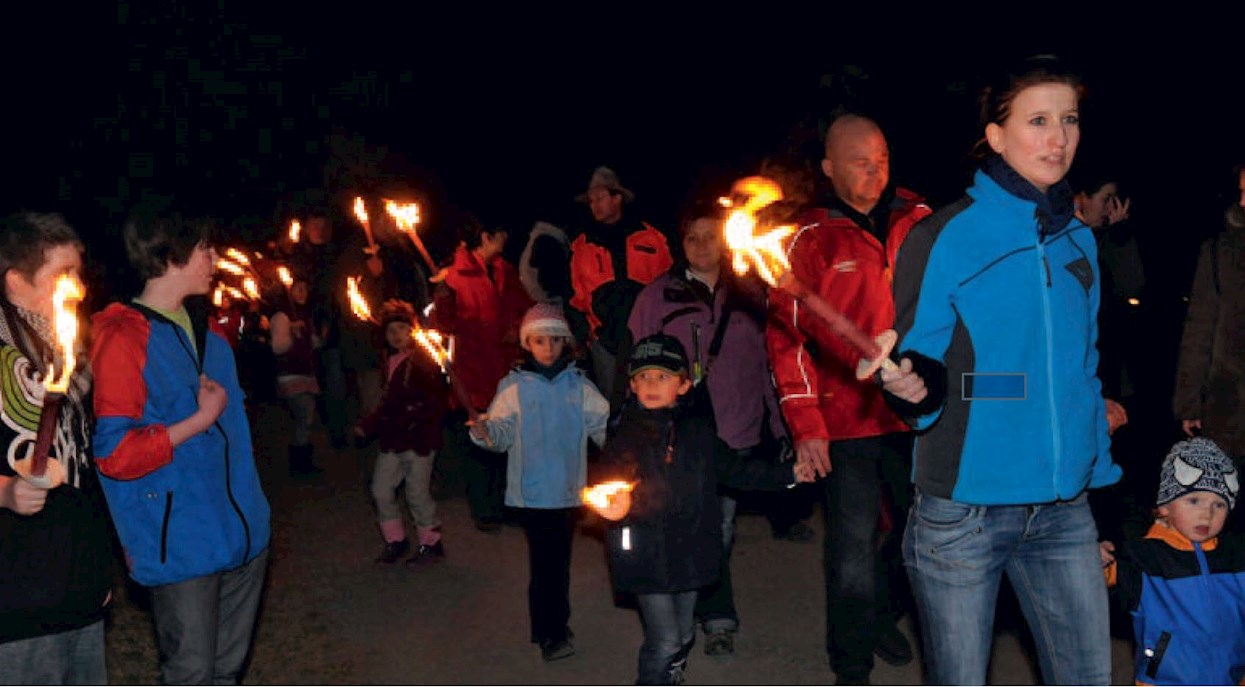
865, 580
549, 535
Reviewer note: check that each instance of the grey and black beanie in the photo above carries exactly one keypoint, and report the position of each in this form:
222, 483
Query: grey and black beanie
1197, 464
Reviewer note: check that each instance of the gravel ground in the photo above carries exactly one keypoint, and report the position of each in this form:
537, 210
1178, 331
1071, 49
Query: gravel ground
331, 616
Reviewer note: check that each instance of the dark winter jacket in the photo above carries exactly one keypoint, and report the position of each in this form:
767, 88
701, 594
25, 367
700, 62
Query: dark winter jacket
56, 566
410, 412
671, 539
1210, 374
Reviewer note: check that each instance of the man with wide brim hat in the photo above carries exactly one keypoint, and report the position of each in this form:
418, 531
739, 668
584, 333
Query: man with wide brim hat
610, 262
606, 178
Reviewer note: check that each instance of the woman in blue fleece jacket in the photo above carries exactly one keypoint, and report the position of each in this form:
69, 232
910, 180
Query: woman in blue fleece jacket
996, 300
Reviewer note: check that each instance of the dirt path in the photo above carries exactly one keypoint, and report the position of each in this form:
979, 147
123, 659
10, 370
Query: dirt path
331, 616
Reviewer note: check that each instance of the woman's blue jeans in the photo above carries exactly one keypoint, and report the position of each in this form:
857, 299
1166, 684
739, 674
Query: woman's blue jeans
956, 554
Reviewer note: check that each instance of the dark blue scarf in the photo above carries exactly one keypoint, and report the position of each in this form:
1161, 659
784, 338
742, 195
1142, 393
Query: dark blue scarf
1055, 208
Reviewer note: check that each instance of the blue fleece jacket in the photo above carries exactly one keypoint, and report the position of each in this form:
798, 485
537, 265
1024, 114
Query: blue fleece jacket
1000, 291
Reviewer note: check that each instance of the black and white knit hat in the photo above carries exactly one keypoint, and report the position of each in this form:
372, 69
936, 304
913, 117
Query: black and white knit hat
1197, 464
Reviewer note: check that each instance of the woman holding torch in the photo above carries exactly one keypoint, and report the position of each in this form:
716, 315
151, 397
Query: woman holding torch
479, 304
996, 300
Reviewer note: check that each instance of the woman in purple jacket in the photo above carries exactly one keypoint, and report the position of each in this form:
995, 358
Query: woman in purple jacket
716, 315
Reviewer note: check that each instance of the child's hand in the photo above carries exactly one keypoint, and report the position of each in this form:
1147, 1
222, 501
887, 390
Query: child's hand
1117, 416
479, 428
804, 472
212, 400
1106, 551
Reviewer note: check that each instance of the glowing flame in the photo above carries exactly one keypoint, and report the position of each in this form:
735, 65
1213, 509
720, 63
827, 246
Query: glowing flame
762, 251
218, 296
238, 256
406, 215
296, 231
226, 265
250, 288
283, 273
433, 343
234, 293
358, 304
360, 211
65, 301
598, 495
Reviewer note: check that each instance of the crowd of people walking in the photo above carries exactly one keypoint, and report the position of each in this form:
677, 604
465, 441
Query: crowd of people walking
989, 447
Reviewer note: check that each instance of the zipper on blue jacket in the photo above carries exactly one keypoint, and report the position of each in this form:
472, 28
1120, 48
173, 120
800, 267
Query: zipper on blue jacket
1050, 363
233, 502
164, 527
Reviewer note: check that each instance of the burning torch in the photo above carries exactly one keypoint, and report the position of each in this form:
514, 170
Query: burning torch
764, 252
65, 299
611, 500
430, 340
406, 215
360, 213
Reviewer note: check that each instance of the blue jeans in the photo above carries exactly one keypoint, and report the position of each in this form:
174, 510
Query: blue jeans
956, 554
669, 632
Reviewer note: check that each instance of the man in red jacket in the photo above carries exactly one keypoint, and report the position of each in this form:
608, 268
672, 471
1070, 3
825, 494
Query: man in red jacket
842, 427
610, 262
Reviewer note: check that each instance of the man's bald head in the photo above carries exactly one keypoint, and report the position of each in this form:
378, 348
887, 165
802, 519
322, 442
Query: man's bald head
857, 161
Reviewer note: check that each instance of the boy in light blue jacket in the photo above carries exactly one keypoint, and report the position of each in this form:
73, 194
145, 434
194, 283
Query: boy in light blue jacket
543, 414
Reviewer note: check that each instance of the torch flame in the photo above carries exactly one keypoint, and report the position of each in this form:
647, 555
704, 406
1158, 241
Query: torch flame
360, 210
227, 265
65, 300
238, 256
283, 273
763, 251
433, 342
358, 304
406, 215
296, 230
249, 286
218, 296
598, 495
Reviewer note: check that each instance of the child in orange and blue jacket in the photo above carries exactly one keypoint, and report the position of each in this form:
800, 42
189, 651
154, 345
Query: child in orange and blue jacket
1184, 583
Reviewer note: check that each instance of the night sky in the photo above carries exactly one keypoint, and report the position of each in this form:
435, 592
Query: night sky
248, 113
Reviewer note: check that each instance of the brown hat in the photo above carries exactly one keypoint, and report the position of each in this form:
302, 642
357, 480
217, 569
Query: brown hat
606, 178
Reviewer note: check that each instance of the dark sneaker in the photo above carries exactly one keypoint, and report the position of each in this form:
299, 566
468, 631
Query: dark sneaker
488, 525
720, 644
554, 650
393, 551
427, 554
892, 647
